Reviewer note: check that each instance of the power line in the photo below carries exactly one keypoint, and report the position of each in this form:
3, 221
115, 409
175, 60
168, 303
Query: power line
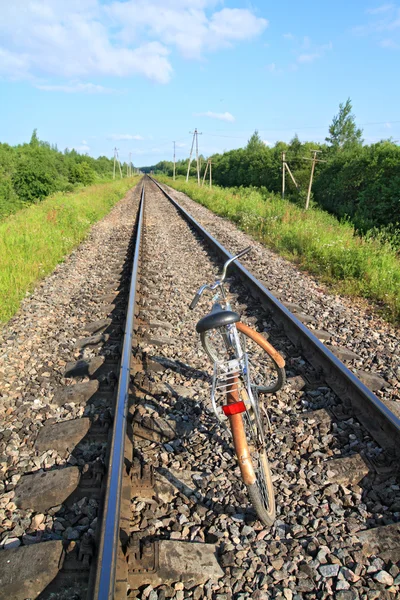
298, 127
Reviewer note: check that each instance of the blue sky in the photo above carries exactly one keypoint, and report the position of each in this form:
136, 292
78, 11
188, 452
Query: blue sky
138, 74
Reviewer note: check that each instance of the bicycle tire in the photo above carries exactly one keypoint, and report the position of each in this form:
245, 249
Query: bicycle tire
276, 360
256, 475
218, 354
265, 514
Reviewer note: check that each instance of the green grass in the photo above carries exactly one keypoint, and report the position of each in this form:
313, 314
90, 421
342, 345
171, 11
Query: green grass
313, 239
35, 239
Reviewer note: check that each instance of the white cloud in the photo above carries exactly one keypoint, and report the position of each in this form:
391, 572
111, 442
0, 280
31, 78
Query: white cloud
306, 58
185, 24
72, 40
180, 145
73, 88
89, 38
267, 143
271, 67
120, 137
81, 39
288, 36
236, 24
84, 142
316, 51
83, 148
389, 43
226, 116
380, 9
383, 19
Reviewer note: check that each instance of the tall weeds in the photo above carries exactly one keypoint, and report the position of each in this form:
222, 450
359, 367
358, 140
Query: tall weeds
36, 238
314, 239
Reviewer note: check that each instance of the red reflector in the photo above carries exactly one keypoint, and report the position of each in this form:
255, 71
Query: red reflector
234, 409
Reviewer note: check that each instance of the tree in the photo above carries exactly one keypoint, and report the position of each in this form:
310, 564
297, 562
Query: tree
81, 173
255, 143
36, 175
343, 130
34, 139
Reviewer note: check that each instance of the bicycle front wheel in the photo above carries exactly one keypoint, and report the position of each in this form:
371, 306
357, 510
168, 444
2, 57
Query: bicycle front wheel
250, 450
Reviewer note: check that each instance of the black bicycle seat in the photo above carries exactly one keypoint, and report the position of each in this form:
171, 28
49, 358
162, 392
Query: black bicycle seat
217, 318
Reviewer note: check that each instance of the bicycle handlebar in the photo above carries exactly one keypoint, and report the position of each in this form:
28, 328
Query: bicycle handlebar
231, 260
194, 301
219, 282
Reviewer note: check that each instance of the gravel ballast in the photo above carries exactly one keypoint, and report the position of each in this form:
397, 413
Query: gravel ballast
312, 550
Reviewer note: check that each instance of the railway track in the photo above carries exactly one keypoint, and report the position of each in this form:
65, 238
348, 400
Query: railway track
176, 521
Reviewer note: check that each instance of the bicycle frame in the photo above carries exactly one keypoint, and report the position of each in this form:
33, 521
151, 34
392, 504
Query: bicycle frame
234, 395
230, 370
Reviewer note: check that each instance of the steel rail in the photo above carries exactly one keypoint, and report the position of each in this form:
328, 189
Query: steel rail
109, 543
378, 419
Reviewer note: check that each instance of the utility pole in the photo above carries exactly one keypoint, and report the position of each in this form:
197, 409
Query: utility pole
174, 161
314, 160
130, 164
116, 159
205, 172
209, 163
197, 158
190, 156
195, 139
285, 167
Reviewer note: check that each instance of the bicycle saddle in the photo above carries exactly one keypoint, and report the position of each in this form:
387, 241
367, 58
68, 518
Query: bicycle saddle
217, 318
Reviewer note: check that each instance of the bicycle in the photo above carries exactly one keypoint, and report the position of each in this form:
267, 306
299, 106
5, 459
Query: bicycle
238, 354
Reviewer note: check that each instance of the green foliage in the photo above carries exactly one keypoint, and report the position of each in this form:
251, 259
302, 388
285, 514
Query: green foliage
31, 172
363, 184
35, 239
343, 132
356, 182
81, 173
35, 142
314, 239
255, 143
35, 176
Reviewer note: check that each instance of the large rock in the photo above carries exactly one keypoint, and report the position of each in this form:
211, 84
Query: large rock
381, 541
97, 326
62, 436
25, 572
169, 561
188, 562
83, 368
41, 491
79, 393
169, 482
346, 471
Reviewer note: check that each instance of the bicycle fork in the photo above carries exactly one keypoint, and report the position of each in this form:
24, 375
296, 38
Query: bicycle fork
238, 432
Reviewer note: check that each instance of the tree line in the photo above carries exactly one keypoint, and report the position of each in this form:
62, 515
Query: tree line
30, 172
356, 181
